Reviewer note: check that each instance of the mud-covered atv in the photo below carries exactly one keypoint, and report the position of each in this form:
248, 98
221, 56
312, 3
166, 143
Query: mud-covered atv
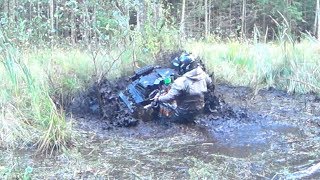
145, 84
148, 82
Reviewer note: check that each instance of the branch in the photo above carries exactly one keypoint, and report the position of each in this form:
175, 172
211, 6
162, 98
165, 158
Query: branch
103, 75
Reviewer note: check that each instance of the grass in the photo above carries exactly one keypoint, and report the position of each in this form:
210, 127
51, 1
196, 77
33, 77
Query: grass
28, 113
36, 85
290, 67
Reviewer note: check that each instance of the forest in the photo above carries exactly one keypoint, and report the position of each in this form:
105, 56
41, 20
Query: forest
82, 22
264, 55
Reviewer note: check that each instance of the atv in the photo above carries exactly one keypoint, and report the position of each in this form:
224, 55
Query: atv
146, 83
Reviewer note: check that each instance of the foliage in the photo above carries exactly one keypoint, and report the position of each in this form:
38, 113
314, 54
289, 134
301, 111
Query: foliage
84, 22
291, 67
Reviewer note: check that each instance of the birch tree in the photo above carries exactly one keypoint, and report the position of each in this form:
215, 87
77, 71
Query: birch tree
182, 23
317, 20
206, 17
243, 20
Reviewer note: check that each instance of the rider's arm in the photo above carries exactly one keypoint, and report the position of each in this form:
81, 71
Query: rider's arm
208, 79
175, 91
210, 85
169, 96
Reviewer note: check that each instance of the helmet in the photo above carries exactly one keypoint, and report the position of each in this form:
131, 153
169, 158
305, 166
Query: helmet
184, 63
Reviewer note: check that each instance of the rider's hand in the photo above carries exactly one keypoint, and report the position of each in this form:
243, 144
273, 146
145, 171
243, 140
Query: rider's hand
156, 98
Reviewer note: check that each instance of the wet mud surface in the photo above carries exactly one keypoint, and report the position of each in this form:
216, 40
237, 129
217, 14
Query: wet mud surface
268, 135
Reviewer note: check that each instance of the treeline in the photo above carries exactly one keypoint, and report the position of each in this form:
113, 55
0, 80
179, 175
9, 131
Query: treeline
87, 21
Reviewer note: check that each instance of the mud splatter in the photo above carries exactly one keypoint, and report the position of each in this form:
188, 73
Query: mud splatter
101, 102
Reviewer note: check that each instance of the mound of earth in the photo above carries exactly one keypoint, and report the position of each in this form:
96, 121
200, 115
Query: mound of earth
101, 102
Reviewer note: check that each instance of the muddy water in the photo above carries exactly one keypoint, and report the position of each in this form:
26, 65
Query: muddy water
268, 135
249, 139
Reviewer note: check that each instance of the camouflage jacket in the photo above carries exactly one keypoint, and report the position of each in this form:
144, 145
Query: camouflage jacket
188, 90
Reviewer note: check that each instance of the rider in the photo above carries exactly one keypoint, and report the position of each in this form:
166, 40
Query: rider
187, 90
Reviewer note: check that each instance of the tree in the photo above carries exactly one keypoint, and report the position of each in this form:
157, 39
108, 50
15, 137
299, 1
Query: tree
317, 20
182, 23
206, 17
243, 20
81, 20
52, 16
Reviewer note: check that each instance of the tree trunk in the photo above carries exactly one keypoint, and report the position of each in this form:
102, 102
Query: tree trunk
289, 3
30, 10
86, 24
138, 19
156, 9
182, 23
317, 20
14, 10
94, 23
11, 11
73, 27
144, 16
57, 18
38, 9
52, 16
230, 16
209, 20
52, 30
264, 27
206, 17
6, 7
243, 20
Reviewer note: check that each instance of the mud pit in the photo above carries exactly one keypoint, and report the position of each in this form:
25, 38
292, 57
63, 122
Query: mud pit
271, 135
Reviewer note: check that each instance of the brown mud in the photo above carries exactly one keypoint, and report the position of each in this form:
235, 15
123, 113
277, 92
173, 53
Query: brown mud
101, 102
268, 135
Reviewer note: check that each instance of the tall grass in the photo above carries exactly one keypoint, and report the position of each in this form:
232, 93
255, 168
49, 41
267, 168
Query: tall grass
14, 126
286, 66
28, 114
37, 84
